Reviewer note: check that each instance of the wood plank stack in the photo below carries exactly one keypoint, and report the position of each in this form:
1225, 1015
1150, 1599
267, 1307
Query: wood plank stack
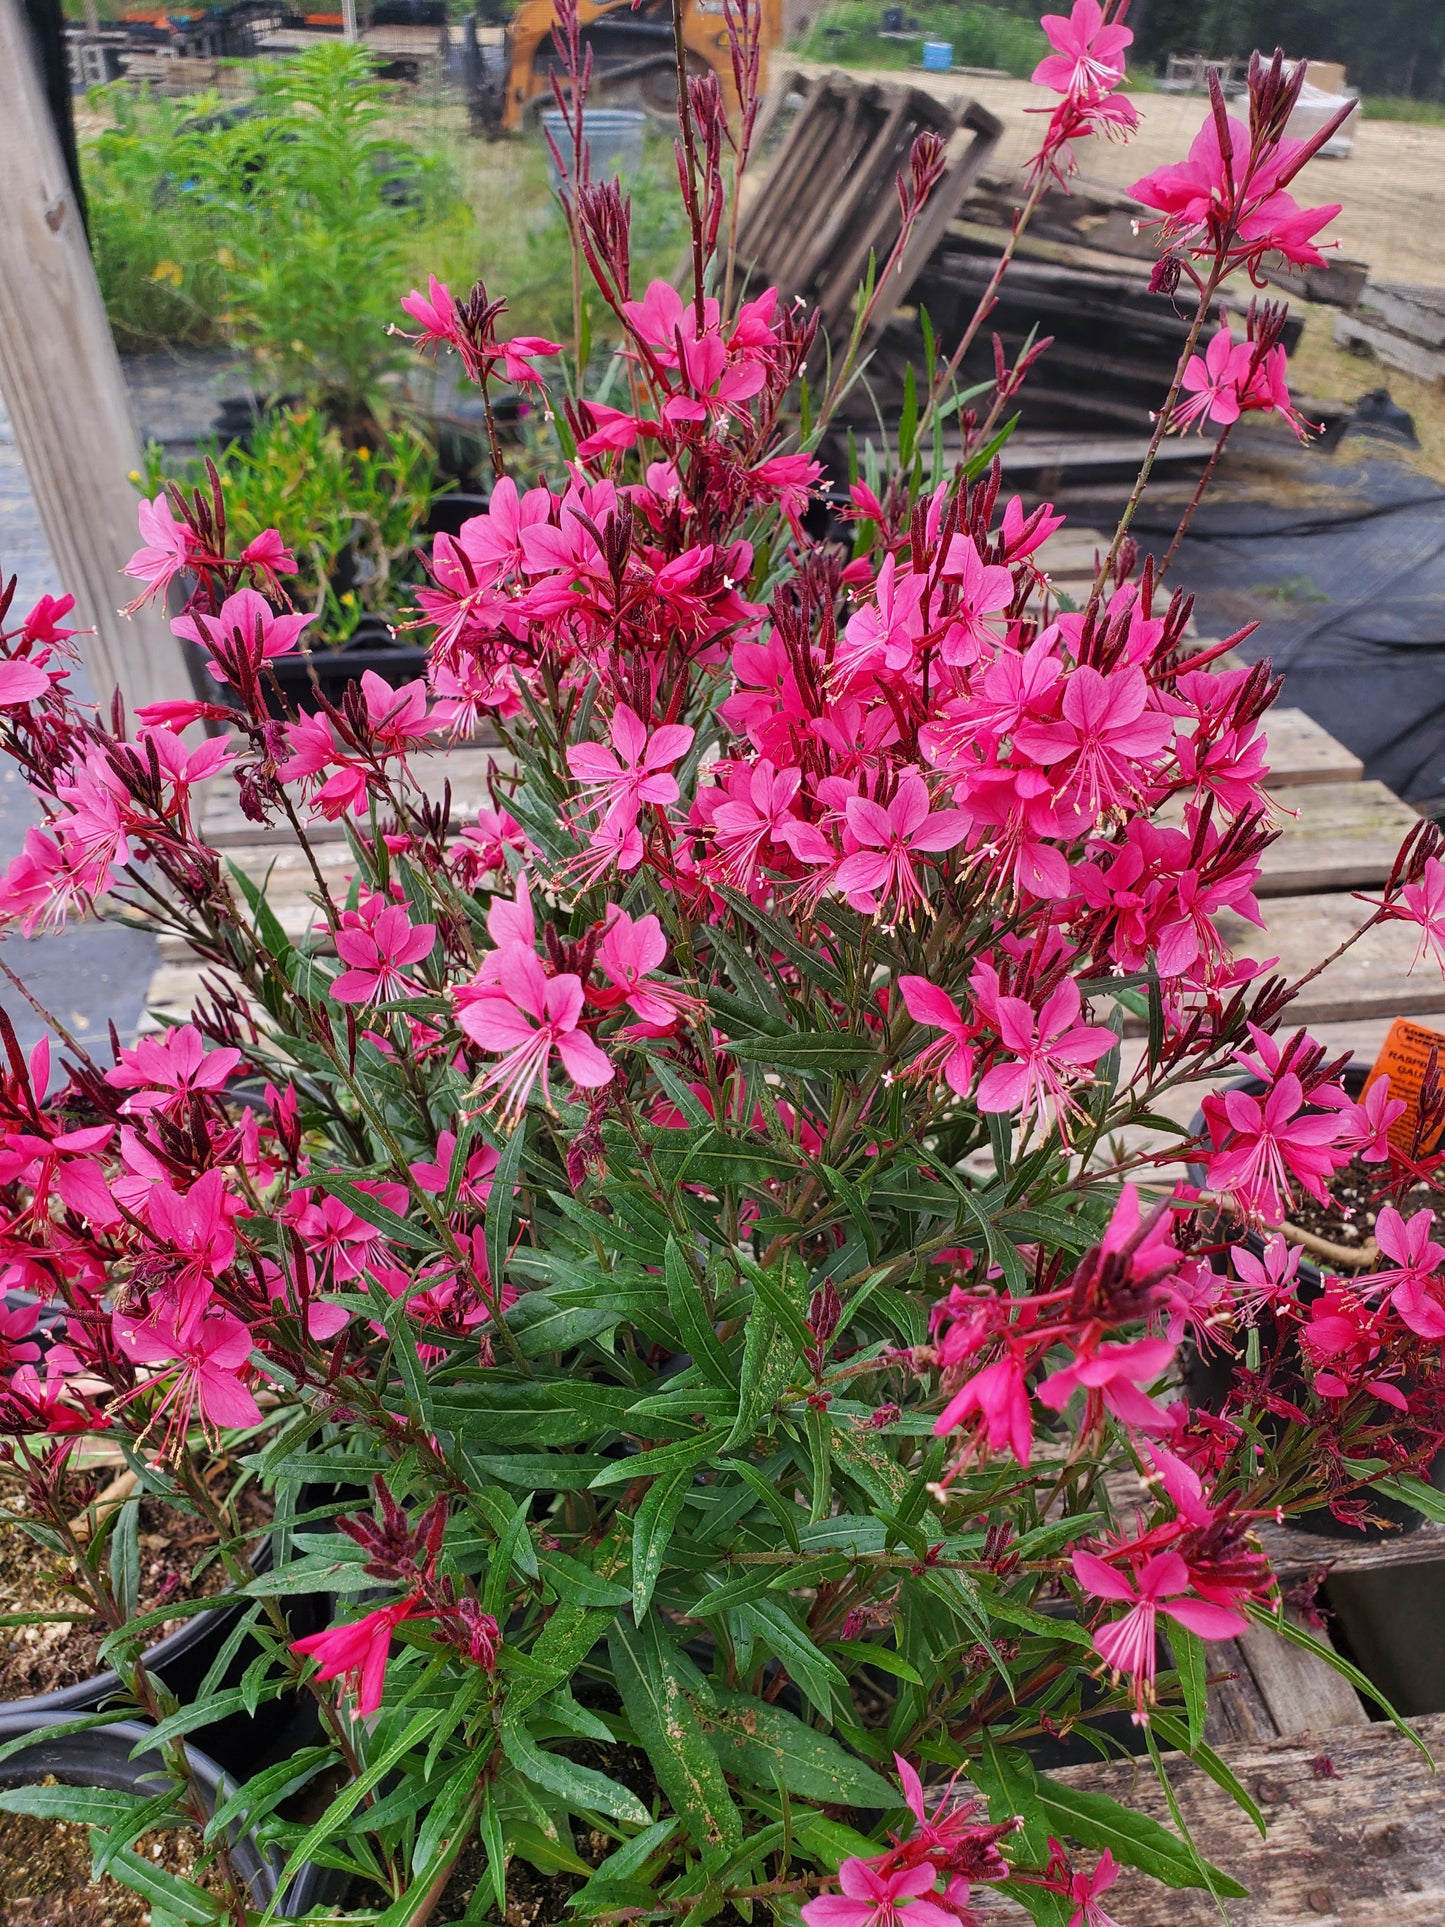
830, 202
1404, 327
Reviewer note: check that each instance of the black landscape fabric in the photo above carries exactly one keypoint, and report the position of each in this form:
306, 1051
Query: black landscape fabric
1343, 566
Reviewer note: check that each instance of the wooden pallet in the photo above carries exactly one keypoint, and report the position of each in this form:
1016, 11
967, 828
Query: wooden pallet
1355, 1838
829, 202
1341, 836
466, 768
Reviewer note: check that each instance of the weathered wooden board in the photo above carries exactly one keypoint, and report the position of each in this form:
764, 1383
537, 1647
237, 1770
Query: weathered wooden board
1335, 836
1377, 976
1356, 1833
1394, 350
466, 768
1416, 312
1303, 1692
1301, 752
1293, 1554
1026, 454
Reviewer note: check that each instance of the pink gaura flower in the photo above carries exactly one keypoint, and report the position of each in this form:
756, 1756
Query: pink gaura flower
358, 1653
1086, 1888
892, 838
1051, 1051
629, 954
1111, 1375
1129, 1646
985, 592
476, 1185
43, 622
379, 953
1107, 738
634, 771
1211, 201
1342, 1337
1264, 1145
1087, 55
526, 1015
998, 1396
194, 1242
245, 627
211, 1358
1212, 382
1368, 1123
436, 310
1270, 1283
886, 631
519, 353
611, 429
336, 1235
1423, 902
165, 550
1413, 1282
872, 1897
21, 681
164, 1073
754, 812
952, 1054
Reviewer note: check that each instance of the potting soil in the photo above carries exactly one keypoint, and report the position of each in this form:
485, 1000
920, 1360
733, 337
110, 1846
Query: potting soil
1357, 1193
42, 1659
45, 1874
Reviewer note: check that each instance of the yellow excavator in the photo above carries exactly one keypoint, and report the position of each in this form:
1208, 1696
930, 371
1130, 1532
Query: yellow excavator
633, 57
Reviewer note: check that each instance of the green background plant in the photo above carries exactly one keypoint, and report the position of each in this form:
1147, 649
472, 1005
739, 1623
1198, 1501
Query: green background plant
296, 474
288, 221
981, 36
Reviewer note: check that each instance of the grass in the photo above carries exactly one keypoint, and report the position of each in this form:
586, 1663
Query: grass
1422, 113
1320, 368
847, 35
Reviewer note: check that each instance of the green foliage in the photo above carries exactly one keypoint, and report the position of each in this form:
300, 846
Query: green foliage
1391, 47
288, 225
847, 34
153, 238
352, 516
313, 208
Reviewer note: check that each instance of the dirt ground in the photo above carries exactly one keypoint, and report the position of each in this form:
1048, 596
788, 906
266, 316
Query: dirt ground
1391, 189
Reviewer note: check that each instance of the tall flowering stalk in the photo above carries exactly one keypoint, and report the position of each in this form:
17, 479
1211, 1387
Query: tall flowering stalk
699, 1198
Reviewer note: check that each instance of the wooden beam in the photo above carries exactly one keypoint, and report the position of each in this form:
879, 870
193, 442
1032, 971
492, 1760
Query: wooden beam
61, 379
1301, 752
1377, 976
1333, 836
1356, 1832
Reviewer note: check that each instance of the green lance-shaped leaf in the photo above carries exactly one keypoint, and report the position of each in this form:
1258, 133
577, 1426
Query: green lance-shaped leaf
769, 1746
689, 1311
581, 1787
650, 1678
652, 1529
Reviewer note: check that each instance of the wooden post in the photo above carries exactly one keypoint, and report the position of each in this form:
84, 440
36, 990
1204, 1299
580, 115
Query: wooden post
61, 380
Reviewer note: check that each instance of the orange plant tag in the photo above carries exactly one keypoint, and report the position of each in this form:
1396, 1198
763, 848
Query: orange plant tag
1403, 1057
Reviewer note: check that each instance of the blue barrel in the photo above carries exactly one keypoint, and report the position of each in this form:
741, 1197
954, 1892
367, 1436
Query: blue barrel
612, 137
937, 56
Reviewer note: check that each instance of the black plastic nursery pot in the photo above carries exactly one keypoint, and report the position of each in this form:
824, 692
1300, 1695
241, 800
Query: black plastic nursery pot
180, 1662
448, 512
101, 1757
373, 645
1208, 1379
